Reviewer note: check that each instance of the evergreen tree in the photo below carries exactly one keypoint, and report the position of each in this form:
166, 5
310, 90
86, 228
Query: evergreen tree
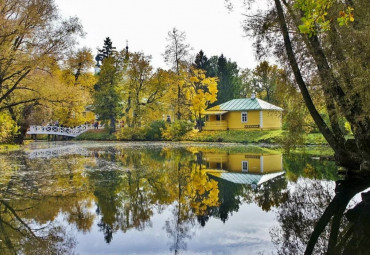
106, 51
228, 75
107, 96
201, 62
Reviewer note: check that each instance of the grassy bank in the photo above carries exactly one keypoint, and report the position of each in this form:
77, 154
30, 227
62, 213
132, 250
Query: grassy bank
97, 135
8, 147
234, 136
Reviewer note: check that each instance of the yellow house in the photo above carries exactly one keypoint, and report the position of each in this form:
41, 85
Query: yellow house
243, 114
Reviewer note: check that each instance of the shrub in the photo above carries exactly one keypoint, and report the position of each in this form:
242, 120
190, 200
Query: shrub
8, 128
176, 130
131, 134
154, 131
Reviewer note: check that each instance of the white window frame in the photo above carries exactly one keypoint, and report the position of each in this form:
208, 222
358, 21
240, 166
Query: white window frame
245, 169
246, 117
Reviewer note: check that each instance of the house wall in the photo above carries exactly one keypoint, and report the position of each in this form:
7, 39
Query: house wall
234, 120
271, 119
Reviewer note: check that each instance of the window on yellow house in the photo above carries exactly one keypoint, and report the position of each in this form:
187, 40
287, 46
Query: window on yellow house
244, 117
244, 166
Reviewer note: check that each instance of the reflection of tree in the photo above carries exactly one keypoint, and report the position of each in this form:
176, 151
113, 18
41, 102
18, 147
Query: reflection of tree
230, 198
297, 165
106, 185
179, 226
193, 193
19, 235
304, 218
32, 196
350, 240
298, 215
271, 193
80, 215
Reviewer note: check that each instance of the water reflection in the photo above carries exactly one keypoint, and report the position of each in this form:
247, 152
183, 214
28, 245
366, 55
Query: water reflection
117, 190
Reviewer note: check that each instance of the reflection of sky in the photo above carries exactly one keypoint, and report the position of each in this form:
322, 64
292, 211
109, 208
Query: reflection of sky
245, 232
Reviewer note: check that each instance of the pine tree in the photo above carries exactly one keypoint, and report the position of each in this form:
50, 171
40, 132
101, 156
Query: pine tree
107, 96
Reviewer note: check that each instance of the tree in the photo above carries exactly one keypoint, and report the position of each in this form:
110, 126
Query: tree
144, 88
227, 73
107, 96
266, 77
176, 54
201, 61
329, 47
74, 75
201, 91
33, 38
247, 83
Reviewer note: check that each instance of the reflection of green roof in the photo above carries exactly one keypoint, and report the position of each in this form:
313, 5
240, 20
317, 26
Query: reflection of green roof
245, 104
245, 178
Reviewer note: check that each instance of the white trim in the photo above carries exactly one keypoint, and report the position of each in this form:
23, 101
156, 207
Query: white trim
243, 169
261, 164
246, 116
261, 119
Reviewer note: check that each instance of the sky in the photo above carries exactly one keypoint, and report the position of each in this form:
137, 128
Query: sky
145, 24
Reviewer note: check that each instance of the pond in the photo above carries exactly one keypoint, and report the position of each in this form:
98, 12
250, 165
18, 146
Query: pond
167, 198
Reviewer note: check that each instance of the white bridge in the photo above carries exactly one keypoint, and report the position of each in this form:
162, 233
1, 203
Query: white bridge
55, 130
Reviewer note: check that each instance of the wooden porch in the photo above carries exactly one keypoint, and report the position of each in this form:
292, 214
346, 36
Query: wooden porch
215, 125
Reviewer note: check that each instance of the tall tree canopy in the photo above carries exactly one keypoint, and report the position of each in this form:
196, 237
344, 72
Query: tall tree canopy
108, 92
32, 36
176, 55
34, 40
227, 72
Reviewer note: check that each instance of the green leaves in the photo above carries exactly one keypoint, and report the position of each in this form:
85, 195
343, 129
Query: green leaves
316, 18
345, 17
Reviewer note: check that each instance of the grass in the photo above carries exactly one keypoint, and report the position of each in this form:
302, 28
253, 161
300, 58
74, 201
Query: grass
9, 147
231, 136
97, 135
236, 136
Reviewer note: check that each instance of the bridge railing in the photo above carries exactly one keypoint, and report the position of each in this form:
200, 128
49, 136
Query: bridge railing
60, 130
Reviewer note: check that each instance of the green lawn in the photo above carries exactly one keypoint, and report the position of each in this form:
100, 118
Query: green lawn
97, 134
271, 136
234, 136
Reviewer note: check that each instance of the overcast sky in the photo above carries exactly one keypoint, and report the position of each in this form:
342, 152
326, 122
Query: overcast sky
145, 23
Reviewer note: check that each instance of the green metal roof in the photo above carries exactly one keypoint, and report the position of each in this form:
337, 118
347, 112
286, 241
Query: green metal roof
245, 104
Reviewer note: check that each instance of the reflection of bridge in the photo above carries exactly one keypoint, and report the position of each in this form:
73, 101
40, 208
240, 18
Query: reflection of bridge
55, 130
58, 151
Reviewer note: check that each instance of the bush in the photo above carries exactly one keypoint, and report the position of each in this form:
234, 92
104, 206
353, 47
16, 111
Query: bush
8, 128
131, 134
155, 129
176, 130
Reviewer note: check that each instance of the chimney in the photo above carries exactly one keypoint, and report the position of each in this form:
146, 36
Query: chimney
253, 95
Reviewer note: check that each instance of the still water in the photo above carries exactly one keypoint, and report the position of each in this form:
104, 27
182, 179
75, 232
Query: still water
162, 198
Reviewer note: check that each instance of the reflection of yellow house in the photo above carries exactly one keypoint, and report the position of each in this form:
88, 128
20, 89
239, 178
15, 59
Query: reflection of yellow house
244, 162
242, 114
244, 168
